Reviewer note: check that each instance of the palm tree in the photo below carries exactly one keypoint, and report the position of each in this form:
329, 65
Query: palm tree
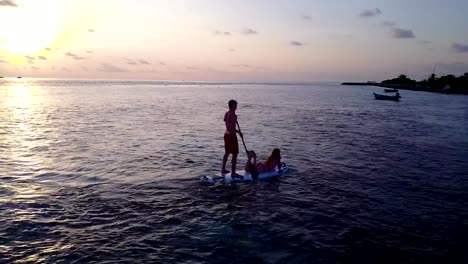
402, 76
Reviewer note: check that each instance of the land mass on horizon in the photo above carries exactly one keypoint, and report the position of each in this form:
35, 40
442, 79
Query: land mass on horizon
448, 84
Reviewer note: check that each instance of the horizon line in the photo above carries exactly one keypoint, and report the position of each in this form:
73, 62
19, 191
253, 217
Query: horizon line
207, 82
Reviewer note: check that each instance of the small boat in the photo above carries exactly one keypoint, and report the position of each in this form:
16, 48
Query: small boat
387, 97
19, 77
391, 90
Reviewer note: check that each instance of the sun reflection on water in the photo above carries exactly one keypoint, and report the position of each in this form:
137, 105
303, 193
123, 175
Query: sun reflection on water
21, 121
17, 111
20, 95
22, 197
21, 125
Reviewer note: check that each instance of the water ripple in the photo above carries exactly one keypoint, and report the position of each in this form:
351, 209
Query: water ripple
108, 173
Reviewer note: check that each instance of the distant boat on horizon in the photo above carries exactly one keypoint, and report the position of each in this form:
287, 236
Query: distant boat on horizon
19, 77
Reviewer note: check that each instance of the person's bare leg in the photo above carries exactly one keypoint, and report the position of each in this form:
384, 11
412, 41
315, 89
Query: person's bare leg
223, 169
234, 162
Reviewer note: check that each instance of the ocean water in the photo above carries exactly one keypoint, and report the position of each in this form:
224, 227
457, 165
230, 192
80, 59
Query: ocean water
108, 171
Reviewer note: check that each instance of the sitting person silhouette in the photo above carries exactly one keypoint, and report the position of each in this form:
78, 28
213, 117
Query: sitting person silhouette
273, 161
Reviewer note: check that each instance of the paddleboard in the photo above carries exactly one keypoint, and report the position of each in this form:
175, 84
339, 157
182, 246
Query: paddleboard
246, 176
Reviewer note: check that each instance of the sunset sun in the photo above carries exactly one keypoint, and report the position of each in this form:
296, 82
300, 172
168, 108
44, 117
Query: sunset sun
17, 42
29, 30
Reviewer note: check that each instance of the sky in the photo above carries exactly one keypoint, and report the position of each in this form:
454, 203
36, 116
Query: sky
233, 40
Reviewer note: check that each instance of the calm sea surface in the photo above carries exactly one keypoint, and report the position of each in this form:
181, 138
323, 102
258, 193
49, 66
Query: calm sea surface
107, 172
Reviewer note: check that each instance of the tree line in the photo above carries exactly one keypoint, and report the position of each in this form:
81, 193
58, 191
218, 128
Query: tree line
443, 84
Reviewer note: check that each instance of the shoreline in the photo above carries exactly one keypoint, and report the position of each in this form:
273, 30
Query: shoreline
417, 87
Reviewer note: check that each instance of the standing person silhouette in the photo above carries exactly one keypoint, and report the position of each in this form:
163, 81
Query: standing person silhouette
231, 146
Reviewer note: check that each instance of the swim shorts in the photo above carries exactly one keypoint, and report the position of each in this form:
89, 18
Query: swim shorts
230, 144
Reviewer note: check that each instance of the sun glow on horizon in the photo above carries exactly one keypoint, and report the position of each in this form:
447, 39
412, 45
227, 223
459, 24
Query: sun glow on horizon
227, 40
28, 30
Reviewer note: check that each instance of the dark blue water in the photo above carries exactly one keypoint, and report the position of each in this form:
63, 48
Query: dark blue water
107, 172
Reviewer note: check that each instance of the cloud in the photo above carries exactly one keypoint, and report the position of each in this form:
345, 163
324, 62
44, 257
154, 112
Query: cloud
30, 57
89, 51
241, 66
221, 33
136, 62
91, 30
162, 63
296, 43
192, 68
66, 69
74, 56
35, 68
424, 42
400, 33
306, 17
130, 61
370, 13
232, 50
41, 57
3, 61
460, 48
8, 3
69, 54
106, 67
47, 48
249, 31
30, 61
141, 61
388, 23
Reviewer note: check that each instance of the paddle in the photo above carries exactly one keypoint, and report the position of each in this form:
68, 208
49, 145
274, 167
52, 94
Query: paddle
242, 137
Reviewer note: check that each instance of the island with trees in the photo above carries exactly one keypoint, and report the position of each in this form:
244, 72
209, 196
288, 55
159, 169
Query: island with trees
448, 84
